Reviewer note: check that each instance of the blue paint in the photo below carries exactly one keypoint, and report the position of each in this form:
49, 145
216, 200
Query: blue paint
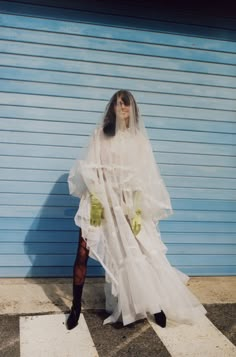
119, 33
54, 224
66, 59
49, 260
201, 238
170, 82
161, 70
179, 183
154, 19
131, 47
193, 270
76, 92
45, 271
58, 68
65, 248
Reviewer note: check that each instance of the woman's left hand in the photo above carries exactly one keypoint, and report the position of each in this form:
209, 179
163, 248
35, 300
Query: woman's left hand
136, 222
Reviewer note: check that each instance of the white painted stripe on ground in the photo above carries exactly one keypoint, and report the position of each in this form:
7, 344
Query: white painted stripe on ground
201, 339
46, 335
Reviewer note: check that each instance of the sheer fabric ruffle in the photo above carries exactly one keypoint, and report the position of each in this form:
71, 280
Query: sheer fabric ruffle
139, 278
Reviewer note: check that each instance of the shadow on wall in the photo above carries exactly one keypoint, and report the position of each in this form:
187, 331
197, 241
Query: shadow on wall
51, 243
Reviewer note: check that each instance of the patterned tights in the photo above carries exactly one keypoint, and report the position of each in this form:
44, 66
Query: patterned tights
80, 265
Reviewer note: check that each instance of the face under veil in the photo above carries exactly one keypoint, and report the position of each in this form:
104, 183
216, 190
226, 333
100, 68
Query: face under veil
122, 114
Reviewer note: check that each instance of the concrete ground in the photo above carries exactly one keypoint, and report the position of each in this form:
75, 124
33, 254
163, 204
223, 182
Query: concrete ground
28, 304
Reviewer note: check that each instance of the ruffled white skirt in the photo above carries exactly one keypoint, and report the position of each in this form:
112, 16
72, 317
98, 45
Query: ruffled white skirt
140, 279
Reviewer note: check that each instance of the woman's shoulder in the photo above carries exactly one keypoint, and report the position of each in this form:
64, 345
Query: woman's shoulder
98, 136
140, 134
97, 132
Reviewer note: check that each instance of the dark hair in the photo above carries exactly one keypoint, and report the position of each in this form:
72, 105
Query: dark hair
109, 123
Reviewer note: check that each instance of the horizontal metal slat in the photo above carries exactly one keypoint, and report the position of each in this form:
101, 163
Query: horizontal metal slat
160, 70
66, 260
110, 57
76, 92
194, 84
53, 224
65, 248
98, 106
58, 164
69, 213
119, 33
39, 151
45, 237
119, 46
35, 271
135, 22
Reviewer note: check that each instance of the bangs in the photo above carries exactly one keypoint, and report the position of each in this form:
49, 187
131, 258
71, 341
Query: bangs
125, 96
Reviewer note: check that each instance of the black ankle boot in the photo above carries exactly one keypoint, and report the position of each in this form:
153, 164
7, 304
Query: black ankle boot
160, 318
74, 315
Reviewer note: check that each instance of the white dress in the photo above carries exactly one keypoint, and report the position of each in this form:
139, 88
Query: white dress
139, 278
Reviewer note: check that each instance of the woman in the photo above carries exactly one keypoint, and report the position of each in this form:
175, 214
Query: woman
123, 197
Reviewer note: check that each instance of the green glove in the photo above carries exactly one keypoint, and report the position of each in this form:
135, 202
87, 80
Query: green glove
96, 211
136, 222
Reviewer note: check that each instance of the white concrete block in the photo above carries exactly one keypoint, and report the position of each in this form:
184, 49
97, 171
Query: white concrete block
201, 339
46, 335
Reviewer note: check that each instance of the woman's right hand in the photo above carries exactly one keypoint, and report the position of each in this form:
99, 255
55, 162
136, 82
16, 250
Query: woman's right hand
96, 212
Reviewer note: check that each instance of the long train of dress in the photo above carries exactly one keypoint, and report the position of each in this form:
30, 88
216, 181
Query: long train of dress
143, 281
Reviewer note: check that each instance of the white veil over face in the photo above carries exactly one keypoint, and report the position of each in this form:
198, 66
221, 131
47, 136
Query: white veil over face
121, 114
120, 170
120, 163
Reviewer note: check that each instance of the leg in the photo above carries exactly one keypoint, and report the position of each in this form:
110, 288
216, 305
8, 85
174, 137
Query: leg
80, 265
79, 273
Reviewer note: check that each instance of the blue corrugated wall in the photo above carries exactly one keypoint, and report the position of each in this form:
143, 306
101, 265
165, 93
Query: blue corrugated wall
58, 68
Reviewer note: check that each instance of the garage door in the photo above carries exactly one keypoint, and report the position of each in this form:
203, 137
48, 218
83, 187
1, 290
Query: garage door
58, 69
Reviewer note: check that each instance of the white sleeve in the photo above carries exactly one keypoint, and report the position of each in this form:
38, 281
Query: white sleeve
81, 172
155, 199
